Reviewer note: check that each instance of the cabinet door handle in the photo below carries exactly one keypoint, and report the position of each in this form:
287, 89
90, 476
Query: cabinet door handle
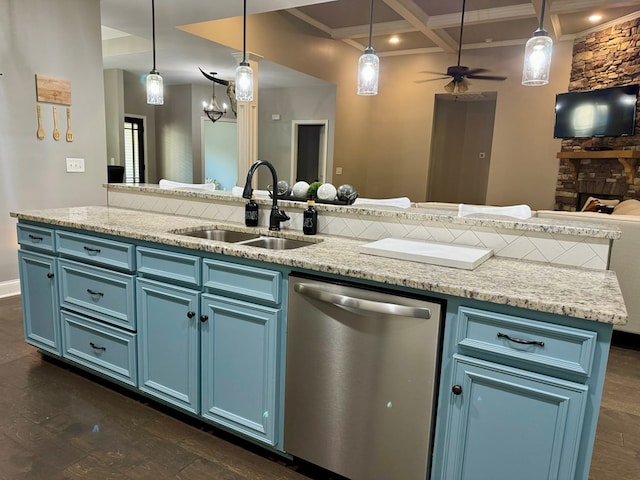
456, 389
93, 292
520, 341
92, 250
35, 238
50, 275
96, 347
191, 314
204, 318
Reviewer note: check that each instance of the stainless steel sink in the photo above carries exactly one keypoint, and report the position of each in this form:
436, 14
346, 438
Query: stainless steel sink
221, 235
277, 243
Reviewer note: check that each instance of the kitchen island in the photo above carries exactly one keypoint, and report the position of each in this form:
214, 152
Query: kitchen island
569, 310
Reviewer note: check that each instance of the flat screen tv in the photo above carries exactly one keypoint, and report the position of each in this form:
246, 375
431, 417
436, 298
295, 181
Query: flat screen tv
608, 112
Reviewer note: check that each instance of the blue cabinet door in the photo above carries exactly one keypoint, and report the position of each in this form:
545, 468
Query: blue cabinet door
506, 423
169, 343
239, 367
40, 301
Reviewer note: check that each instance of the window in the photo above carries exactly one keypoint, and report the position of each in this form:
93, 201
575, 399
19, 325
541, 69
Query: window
133, 150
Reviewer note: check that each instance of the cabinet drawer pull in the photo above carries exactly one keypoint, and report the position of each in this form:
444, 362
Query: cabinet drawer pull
35, 238
50, 275
92, 250
204, 318
191, 314
96, 347
93, 292
520, 341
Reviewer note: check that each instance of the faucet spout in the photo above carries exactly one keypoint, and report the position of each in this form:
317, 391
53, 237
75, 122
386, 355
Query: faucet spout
276, 216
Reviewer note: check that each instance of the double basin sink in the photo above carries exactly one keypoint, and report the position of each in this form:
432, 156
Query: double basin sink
247, 238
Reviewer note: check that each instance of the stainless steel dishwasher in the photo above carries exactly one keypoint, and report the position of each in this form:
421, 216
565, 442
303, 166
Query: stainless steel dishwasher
361, 377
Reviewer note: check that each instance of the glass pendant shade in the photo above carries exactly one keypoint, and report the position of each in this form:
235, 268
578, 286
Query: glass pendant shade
244, 83
537, 59
155, 90
368, 71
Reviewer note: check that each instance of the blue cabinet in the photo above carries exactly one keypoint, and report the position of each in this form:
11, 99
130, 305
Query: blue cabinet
507, 423
169, 343
40, 300
240, 374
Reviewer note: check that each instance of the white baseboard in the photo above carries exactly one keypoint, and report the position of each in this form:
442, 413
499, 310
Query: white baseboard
9, 288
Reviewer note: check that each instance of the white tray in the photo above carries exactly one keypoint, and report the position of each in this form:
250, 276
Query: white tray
444, 254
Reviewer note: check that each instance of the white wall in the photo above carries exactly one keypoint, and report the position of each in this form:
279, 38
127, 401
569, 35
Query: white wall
60, 38
274, 136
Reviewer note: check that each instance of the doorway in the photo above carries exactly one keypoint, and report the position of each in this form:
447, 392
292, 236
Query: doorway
309, 150
461, 147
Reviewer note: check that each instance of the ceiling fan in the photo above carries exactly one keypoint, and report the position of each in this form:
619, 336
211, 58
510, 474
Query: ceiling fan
459, 73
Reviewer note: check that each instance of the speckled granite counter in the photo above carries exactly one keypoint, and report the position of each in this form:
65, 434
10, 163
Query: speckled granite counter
576, 292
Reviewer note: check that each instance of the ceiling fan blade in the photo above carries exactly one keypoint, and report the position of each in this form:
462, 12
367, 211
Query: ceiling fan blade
474, 71
431, 79
433, 73
487, 77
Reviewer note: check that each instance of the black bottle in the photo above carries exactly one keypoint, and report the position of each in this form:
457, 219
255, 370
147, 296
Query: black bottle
310, 219
251, 213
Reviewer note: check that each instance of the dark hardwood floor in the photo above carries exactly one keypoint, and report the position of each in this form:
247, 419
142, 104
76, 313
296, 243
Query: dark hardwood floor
57, 422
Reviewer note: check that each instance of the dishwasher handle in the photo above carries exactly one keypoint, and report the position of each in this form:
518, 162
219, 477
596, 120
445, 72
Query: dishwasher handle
345, 301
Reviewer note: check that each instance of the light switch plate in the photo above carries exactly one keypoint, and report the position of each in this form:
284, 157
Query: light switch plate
75, 165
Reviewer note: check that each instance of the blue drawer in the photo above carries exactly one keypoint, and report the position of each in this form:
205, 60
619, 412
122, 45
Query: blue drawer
173, 267
96, 250
97, 292
251, 283
563, 349
108, 350
36, 238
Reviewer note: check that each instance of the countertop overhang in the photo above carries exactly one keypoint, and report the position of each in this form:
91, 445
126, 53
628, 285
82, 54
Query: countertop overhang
570, 291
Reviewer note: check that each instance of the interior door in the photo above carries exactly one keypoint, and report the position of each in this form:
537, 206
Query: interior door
461, 148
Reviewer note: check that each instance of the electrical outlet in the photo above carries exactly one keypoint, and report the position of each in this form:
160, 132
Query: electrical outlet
75, 165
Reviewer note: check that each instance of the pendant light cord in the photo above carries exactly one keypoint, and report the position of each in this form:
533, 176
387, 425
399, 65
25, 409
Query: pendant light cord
153, 30
542, 14
461, 28
370, 23
244, 33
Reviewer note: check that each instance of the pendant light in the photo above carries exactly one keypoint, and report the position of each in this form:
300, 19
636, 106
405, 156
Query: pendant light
244, 73
537, 56
368, 66
213, 110
155, 90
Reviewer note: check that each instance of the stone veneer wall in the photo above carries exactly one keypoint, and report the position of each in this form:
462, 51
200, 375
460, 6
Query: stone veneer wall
603, 59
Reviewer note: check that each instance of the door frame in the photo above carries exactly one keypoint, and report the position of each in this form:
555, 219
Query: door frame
324, 148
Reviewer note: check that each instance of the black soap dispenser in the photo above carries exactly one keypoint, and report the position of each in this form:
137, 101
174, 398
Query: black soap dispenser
251, 213
310, 219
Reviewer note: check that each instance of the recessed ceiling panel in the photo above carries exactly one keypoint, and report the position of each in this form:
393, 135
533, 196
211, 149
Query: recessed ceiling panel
572, 23
499, 31
406, 41
349, 13
444, 7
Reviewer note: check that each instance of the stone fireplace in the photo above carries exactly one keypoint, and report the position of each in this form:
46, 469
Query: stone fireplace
607, 58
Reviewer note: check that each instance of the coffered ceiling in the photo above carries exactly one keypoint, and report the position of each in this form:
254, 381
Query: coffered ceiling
420, 27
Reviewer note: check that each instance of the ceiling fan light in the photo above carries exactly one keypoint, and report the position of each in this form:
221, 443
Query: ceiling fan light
537, 59
368, 72
450, 87
463, 86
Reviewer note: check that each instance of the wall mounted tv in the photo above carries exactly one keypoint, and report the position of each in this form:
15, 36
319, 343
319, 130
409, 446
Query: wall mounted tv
608, 112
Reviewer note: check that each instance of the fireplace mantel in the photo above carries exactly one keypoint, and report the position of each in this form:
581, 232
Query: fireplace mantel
626, 157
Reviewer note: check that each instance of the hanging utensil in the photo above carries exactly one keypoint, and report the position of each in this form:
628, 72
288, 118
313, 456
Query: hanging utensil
56, 132
40, 132
69, 132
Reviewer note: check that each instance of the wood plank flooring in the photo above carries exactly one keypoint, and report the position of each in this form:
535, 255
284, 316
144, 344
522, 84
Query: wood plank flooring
58, 423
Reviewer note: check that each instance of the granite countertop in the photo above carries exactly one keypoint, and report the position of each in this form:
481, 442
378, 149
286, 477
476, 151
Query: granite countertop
575, 292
